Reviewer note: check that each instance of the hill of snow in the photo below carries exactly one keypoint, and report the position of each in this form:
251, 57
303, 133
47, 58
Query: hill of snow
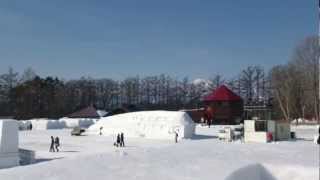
147, 124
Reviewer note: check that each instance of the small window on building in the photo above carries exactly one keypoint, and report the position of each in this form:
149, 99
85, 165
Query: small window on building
261, 126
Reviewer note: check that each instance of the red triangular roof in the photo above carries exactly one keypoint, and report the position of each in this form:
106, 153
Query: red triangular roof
223, 93
89, 112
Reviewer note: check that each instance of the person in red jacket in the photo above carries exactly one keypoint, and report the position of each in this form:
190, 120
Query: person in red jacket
209, 116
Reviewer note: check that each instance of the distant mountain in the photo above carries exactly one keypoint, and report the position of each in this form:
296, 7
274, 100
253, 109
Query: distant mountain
203, 82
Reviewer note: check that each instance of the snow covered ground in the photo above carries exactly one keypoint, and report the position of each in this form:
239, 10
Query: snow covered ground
202, 157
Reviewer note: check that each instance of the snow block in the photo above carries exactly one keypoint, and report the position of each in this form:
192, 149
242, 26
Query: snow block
147, 124
9, 142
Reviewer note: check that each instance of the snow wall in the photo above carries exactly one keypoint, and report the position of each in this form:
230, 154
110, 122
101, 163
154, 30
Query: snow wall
78, 122
45, 124
9, 143
147, 124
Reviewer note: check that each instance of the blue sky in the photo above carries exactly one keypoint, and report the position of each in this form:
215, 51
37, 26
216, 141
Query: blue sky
118, 38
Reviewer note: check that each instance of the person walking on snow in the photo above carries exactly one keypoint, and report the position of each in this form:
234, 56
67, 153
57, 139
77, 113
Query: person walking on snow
122, 140
52, 145
176, 136
57, 143
118, 140
318, 141
101, 128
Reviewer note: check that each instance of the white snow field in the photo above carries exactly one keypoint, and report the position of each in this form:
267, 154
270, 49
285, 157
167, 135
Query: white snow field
147, 124
202, 157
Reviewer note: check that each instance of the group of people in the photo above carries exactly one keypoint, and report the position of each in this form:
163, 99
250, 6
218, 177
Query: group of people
120, 140
55, 144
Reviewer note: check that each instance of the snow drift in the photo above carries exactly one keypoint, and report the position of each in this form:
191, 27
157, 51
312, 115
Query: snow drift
9, 142
147, 124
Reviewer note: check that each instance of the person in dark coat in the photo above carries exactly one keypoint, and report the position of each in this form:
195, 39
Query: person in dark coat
319, 137
52, 145
57, 143
118, 140
176, 136
122, 140
101, 128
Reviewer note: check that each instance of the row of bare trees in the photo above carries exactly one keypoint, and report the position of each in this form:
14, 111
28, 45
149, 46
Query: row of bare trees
291, 89
295, 85
29, 96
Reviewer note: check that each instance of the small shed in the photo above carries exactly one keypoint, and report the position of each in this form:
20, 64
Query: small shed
265, 131
224, 106
258, 130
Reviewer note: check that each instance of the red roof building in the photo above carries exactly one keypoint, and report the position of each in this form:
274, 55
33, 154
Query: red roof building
89, 112
224, 106
223, 93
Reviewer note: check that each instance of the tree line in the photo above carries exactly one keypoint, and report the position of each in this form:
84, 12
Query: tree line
291, 89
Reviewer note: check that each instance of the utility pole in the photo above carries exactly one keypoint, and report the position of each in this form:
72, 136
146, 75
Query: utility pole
319, 61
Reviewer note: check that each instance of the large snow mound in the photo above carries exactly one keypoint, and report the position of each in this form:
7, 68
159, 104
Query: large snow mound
147, 124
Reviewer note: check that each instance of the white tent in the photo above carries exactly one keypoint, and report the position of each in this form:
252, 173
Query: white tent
147, 124
9, 142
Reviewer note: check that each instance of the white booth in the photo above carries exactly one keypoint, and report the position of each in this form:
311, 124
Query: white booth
265, 131
9, 140
258, 130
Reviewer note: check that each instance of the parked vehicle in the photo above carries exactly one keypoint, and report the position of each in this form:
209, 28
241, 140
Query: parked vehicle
77, 131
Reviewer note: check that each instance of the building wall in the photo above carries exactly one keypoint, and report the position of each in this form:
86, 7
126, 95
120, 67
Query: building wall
226, 112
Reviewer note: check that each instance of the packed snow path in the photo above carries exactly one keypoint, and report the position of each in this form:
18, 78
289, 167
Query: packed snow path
203, 157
